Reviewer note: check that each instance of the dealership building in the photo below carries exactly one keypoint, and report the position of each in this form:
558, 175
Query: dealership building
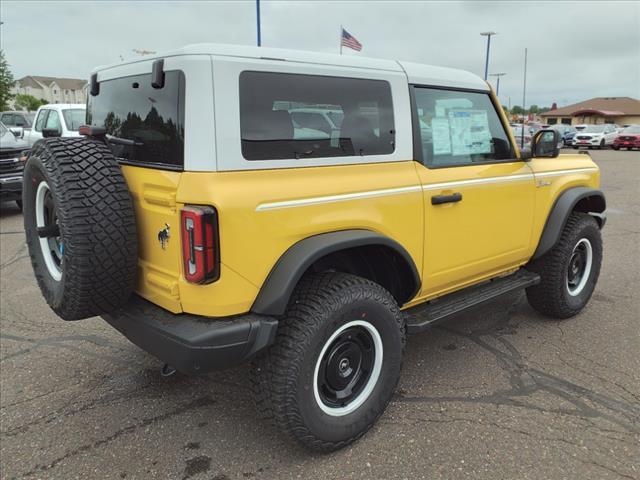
618, 110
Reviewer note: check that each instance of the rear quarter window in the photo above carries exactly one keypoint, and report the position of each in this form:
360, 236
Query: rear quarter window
296, 116
144, 125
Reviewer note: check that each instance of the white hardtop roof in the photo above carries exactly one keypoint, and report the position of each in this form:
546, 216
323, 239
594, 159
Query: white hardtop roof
416, 72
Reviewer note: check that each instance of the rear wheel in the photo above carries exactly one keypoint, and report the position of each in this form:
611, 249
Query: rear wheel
570, 270
80, 227
335, 363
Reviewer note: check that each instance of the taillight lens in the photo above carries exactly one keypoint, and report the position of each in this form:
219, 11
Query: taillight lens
200, 248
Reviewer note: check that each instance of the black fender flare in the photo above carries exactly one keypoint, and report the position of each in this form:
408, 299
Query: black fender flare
565, 204
286, 273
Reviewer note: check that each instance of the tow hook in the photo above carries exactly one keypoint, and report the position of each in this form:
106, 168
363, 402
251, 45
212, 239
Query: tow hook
167, 370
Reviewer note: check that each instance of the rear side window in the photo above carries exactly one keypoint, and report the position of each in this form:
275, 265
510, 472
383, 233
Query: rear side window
458, 128
291, 116
73, 118
144, 125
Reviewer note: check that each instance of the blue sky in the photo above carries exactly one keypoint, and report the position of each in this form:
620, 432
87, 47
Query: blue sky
577, 50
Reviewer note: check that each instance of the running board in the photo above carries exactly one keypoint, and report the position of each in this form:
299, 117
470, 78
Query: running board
421, 317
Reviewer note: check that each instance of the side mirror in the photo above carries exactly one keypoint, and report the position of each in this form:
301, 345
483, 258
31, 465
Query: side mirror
18, 132
51, 132
545, 144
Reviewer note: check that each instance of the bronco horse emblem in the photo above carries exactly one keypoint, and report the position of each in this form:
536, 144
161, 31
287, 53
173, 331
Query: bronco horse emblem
163, 235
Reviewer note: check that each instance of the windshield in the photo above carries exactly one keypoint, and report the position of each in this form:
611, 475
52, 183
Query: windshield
3, 129
594, 129
74, 118
632, 129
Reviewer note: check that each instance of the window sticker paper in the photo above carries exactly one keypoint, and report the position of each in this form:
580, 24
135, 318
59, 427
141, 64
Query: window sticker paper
469, 132
441, 136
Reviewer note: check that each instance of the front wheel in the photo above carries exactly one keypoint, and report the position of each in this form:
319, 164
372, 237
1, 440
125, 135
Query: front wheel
335, 363
569, 271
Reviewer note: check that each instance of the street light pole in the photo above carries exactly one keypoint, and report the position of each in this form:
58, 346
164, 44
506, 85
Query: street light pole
259, 39
486, 63
498, 75
524, 97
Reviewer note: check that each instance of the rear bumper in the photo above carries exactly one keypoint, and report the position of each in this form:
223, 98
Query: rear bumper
190, 343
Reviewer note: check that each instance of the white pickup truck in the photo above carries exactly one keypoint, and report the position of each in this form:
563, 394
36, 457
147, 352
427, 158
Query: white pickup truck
59, 119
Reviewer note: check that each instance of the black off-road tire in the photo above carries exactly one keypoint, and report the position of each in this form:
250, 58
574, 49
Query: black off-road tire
283, 377
96, 223
551, 296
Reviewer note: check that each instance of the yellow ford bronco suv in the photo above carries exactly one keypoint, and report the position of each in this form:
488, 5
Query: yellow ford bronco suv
305, 212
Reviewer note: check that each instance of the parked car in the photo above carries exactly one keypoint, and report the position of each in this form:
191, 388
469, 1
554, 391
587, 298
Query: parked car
522, 135
629, 138
17, 119
12, 151
569, 137
334, 249
58, 120
566, 133
598, 136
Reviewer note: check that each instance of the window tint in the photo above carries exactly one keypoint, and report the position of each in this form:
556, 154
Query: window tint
288, 116
53, 121
459, 128
151, 120
40, 121
7, 119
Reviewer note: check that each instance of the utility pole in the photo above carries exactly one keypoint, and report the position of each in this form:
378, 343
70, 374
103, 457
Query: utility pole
497, 75
524, 97
259, 36
486, 63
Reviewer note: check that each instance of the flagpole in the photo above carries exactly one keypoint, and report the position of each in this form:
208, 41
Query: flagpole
340, 39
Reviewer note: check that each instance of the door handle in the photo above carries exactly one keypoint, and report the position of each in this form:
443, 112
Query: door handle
440, 199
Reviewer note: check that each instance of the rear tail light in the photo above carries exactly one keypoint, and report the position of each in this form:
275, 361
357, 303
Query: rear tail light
200, 247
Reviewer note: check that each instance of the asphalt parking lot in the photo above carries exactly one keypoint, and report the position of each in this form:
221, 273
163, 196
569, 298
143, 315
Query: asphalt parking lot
500, 393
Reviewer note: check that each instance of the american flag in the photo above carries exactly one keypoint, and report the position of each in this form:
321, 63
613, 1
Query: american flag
350, 41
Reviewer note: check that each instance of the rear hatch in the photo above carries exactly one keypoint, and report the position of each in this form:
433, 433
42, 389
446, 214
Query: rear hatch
145, 131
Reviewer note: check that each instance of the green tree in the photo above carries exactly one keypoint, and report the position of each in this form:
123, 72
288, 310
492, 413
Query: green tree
28, 102
6, 83
534, 109
517, 110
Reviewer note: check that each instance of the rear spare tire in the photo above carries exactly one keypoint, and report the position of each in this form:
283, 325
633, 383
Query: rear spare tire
80, 227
